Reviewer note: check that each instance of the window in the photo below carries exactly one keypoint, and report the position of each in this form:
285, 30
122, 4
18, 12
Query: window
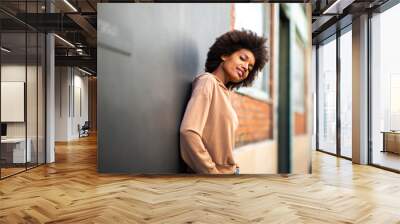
327, 96
346, 94
254, 17
385, 89
298, 76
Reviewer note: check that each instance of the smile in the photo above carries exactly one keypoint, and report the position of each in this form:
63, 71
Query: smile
240, 73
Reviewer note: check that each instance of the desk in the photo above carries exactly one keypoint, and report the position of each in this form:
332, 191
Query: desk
391, 141
15, 148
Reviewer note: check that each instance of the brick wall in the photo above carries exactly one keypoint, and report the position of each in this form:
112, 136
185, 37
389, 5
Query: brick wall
300, 123
255, 119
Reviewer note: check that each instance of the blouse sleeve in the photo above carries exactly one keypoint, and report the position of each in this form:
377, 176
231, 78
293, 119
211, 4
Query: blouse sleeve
193, 150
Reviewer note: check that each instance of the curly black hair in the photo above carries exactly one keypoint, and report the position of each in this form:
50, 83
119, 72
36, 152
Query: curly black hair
233, 41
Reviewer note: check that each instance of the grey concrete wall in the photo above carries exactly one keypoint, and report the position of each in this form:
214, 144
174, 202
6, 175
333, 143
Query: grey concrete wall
147, 57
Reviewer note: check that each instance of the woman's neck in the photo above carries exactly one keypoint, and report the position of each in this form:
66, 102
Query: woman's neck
221, 75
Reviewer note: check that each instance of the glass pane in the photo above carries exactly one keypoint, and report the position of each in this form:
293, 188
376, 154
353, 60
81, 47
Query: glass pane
346, 94
41, 98
31, 100
13, 86
245, 17
298, 91
31, 85
386, 89
327, 97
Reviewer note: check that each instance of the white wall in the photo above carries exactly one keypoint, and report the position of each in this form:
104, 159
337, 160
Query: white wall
33, 127
62, 81
79, 117
12, 73
70, 83
257, 158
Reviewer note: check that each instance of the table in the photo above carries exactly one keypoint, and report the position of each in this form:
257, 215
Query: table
15, 148
391, 141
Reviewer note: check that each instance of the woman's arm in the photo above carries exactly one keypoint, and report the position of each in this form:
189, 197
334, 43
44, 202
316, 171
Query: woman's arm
193, 150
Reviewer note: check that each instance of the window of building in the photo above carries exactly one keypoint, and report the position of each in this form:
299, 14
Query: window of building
327, 96
346, 94
385, 89
255, 17
298, 91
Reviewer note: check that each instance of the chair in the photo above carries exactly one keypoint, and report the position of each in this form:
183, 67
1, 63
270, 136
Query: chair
84, 130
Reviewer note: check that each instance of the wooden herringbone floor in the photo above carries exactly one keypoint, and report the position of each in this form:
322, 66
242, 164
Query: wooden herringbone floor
71, 191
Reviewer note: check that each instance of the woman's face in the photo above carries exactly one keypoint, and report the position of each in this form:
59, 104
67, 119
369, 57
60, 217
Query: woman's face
238, 65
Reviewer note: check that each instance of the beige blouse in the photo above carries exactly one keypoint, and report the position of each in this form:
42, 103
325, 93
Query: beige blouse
207, 132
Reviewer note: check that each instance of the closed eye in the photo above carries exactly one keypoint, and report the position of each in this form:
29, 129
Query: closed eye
250, 68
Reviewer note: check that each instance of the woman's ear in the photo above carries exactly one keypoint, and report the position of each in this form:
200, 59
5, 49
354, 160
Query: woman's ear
224, 57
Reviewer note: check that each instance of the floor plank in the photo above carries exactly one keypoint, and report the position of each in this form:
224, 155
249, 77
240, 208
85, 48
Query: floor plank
71, 191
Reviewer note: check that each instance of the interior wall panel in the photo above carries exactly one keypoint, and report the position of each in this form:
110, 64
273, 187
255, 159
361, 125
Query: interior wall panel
147, 57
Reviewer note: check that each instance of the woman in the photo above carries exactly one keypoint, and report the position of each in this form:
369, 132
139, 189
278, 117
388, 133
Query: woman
208, 127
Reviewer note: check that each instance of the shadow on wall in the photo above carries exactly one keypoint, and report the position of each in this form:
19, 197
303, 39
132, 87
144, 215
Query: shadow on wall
142, 97
112, 31
187, 63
